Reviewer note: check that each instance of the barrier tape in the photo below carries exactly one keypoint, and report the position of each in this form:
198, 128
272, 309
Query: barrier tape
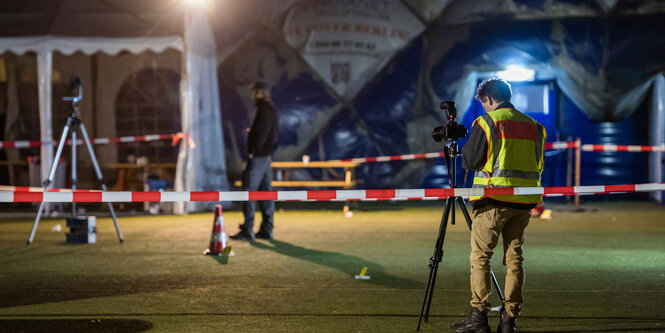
548, 146
97, 141
628, 148
183, 136
560, 145
553, 145
391, 158
318, 195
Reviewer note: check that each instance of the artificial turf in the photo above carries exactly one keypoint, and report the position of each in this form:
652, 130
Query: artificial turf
600, 271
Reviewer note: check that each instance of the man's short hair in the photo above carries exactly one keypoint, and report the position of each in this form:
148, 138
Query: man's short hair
259, 85
496, 88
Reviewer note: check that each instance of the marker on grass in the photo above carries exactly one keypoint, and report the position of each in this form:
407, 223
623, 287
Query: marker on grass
362, 275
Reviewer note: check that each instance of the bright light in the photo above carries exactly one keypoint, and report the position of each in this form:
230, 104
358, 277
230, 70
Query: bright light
198, 3
517, 73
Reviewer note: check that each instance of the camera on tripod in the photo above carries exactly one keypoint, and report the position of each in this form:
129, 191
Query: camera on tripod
451, 131
448, 134
75, 83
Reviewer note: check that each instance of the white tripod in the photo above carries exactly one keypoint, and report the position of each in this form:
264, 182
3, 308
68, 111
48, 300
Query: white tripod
73, 123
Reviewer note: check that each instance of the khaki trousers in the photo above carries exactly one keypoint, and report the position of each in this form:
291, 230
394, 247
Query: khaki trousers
490, 222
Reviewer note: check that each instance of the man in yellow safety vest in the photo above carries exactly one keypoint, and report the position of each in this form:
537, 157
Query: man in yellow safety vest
505, 148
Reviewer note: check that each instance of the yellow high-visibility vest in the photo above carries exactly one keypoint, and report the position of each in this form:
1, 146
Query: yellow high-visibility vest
515, 154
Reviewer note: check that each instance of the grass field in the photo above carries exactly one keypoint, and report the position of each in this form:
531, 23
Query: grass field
586, 272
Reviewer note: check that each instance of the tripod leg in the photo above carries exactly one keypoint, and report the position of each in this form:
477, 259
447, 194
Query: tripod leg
467, 217
36, 223
51, 176
434, 263
446, 215
98, 171
115, 219
74, 176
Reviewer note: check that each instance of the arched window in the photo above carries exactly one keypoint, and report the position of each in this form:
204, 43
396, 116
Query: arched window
149, 103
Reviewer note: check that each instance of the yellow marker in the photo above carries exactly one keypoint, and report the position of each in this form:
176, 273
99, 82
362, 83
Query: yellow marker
362, 275
228, 251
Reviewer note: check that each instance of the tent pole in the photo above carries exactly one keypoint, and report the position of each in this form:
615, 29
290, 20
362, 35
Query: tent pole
578, 167
657, 138
569, 168
44, 68
180, 183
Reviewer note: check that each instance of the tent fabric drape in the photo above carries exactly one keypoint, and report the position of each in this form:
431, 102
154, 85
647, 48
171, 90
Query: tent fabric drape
88, 45
202, 167
629, 102
657, 133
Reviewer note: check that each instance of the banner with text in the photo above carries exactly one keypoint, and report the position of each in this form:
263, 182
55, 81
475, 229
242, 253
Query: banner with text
347, 42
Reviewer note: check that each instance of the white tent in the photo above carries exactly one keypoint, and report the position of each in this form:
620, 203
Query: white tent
99, 26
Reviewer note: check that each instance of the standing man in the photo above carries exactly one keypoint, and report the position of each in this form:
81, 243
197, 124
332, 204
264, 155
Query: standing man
505, 148
261, 143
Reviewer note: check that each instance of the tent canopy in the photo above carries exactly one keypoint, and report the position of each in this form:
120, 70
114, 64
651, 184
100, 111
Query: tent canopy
91, 18
68, 26
91, 26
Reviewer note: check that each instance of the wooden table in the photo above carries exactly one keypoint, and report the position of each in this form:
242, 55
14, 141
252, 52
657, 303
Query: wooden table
347, 181
138, 166
136, 174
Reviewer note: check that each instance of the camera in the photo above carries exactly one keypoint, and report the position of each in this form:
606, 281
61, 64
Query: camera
75, 84
451, 131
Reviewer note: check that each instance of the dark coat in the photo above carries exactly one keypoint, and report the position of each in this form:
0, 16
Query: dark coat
262, 139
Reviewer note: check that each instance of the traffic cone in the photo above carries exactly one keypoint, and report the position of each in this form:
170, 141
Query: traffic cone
219, 242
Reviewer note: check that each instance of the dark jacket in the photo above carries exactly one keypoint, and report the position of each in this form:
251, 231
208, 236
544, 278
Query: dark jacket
474, 157
262, 139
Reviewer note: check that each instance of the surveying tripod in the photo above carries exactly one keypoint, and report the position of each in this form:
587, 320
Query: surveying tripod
73, 123
450, 153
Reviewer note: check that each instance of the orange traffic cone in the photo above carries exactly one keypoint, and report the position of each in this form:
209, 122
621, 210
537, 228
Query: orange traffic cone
219, 242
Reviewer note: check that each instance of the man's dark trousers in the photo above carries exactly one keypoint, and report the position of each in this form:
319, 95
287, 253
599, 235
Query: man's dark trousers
258, 177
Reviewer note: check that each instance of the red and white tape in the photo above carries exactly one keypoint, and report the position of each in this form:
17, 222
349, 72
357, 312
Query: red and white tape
560, 145
548, 146
319, 195
609, 148
628, 148
97, 141
391, 158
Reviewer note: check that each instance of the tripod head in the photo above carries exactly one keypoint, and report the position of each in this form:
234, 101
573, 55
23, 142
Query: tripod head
448, 134
75, 84
450, 151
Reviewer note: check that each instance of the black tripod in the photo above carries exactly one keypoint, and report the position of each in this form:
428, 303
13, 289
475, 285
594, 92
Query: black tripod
73, 123
451, 154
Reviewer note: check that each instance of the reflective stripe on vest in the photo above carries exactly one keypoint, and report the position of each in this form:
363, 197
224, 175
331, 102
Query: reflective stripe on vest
510, 136
510, 173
